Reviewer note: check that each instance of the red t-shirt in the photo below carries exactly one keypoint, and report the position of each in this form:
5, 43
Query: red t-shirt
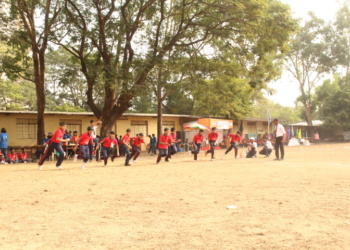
235, 138
173, 137
58, 134
138, 141
198, 138
74, 139
23, 156
126, 139
85, 139
165, 139
12, 157
107, 142
213, 136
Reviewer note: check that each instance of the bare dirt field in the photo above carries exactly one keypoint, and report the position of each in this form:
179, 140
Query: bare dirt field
302, 202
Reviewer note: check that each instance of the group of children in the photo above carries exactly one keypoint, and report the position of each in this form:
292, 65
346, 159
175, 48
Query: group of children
130, 146
12, 157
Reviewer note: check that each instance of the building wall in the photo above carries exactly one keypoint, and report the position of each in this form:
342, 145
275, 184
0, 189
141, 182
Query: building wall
10, 122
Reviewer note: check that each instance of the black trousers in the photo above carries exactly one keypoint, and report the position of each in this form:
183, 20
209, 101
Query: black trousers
279, 146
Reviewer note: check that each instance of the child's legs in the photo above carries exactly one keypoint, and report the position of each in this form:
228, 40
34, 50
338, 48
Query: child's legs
59, 149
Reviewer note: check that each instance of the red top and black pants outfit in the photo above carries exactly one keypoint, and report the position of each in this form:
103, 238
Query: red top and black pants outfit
136, 147
197, 140
235, 139
108, 144
52, 145
85, 141
163, 148
213, 137
126, 139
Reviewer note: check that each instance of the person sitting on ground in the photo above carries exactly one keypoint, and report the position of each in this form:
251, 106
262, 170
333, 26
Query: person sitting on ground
2, 159
12, 156
267, 148
23, 156
252, 146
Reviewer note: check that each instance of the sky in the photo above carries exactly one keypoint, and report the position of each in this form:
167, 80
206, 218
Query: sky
286, 87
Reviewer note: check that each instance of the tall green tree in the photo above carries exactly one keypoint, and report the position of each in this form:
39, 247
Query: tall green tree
335, 99
118, 43
29, 43
310, 59
17, 95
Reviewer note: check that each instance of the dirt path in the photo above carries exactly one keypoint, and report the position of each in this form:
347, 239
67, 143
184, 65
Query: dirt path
300, 203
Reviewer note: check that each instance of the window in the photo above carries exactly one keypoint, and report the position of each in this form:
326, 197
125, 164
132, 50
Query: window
26, 128
139, 127
73, 125
168, 124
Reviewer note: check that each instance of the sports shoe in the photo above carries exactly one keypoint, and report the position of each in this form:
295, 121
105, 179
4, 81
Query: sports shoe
134, 161
127, 165
213, 158
276, 159
205, 153
59, 167
83, 167
40, 167
167, 160
237, 157
282, 159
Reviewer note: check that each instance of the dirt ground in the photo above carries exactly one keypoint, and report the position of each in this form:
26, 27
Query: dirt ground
302, 202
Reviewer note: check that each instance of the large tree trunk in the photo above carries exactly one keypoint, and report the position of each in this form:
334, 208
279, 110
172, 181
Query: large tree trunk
39, 78
159, 118
309, 117
108, 122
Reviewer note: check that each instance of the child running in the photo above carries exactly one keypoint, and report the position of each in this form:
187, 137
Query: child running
172, 148
136, 146
108, 146
84, 141
197, 141
235, 139
126, 147
55, 143
212, 138
164, 142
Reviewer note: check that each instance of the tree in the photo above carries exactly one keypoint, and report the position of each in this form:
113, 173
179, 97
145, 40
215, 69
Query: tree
19, 95
309, 59
119, 43
341, 44
32, 36
285, 114
335, 102
65, 82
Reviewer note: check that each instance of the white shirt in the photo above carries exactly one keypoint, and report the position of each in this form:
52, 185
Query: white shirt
280, 130
268, 144
94, 133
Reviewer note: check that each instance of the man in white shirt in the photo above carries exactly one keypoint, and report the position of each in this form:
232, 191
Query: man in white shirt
267, 148
96, 141
279, 132
252, 146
